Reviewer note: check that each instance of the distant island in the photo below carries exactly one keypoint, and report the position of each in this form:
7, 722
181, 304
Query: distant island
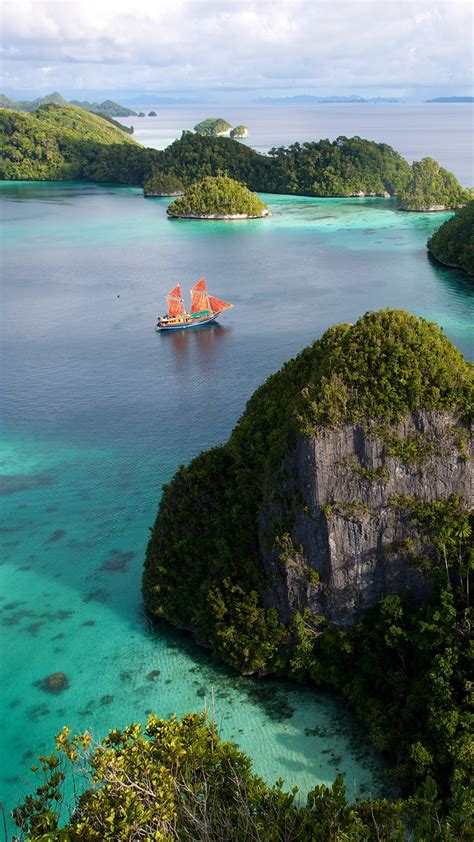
213, 126
32, 105
306, 99
218, 197
108, 108
218, 127
239, 131
451, 99
453, 243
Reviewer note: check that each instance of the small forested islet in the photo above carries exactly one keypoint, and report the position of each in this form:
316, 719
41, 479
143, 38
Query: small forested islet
218, 197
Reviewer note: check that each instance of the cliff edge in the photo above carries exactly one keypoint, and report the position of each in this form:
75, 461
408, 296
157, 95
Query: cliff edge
319, 502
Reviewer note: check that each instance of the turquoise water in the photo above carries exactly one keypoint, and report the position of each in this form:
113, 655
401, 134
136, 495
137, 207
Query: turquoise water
99, 411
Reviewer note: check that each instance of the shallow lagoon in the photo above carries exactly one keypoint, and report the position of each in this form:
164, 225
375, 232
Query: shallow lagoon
99, 411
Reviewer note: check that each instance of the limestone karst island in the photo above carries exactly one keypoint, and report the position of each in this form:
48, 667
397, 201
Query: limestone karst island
237, 392
218, 197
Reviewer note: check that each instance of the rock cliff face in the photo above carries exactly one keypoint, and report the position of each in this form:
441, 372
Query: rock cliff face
320, 498
348, 542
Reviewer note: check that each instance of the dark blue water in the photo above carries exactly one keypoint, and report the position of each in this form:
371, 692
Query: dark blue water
99, 411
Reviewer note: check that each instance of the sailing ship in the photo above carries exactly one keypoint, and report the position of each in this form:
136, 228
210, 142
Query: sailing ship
205, 308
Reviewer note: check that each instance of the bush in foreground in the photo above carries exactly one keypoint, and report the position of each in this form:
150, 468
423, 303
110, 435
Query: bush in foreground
176, 779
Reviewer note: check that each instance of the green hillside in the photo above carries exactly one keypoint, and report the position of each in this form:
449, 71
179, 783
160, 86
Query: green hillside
107, 108
66, 142
33, 104
431, 188
453, 242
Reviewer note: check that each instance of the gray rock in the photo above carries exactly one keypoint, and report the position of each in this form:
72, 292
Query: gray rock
344, 551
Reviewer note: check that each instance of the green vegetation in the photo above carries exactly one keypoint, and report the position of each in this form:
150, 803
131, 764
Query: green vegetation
431, 187
193, 157
107, 108
239, 131
324, 168
32, 105
176, 779
344, 167
212, 126
162, 184
62, 143
453, 243
404, 669
218, 196
339, 168
205, 541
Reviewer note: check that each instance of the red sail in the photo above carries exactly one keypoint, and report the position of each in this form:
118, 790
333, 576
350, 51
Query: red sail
199, 297
216, 304
175, 302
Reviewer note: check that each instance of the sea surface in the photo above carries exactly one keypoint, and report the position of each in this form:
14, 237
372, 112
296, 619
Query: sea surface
444, 131
99, 411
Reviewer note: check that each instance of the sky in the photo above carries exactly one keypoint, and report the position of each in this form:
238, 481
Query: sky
237, 50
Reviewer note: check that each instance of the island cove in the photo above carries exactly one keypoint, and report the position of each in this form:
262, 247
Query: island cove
103, 153
388, 655
329, 541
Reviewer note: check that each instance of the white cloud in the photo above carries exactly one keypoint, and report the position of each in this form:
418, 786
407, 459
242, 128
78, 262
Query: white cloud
197, 44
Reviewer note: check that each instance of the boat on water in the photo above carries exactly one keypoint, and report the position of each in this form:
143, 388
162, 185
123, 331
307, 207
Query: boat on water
205, 308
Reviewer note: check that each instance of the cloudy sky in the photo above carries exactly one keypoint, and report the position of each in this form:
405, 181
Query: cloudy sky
238, 49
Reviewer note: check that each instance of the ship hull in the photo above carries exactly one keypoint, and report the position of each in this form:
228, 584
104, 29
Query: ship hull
193, 323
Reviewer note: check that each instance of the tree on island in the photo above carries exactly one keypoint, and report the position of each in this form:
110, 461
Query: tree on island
431, 187
453, 243
212, 126
239, 131
219, 197
162, 184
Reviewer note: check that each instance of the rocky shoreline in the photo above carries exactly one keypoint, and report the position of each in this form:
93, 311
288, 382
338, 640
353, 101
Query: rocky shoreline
449, 265
150, 194
263, 214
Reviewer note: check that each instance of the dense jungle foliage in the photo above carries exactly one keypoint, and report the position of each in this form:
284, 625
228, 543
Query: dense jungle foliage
324, 168
403, 668
60, 143
56, 143
176, 779
453, 242
162, 184
431, 186
239, 131
212, 126
217, 195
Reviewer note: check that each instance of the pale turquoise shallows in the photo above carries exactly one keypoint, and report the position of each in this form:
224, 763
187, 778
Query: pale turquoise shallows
99, 411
